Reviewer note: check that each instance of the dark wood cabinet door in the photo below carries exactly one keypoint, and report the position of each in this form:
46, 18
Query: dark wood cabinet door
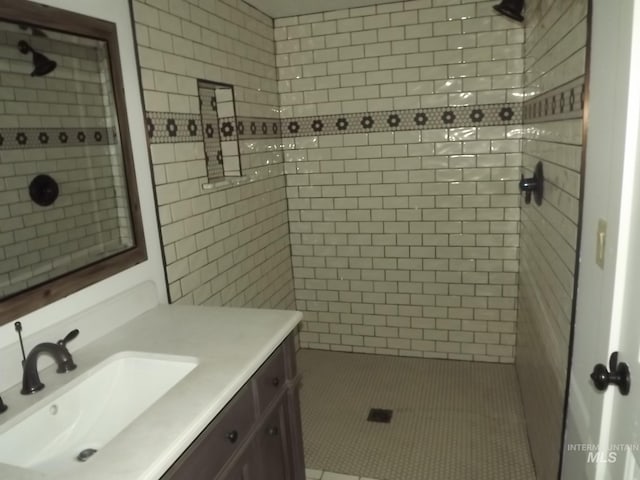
295, 449
257, 436
245, 467
219, 442
273, 444
270, 380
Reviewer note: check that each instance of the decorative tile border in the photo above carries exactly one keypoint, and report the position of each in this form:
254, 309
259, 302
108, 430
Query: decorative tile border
210, 124
398, 120
250, 127
19, 138
561, 103
165, 127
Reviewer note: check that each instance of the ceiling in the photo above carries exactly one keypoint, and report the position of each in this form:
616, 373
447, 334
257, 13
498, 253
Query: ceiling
287, 8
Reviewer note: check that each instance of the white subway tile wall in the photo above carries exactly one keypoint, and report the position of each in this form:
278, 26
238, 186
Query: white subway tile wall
398, 56
226, 243
555, 53
60, 125
404, 242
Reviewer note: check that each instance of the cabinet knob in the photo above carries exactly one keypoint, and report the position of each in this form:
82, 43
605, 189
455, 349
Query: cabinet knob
275, 382
232, 436
273, 431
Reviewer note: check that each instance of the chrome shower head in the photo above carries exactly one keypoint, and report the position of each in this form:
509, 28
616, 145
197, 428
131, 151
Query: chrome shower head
42, 65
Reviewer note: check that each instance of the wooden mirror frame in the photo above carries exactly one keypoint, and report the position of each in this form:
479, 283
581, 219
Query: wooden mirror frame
63, 21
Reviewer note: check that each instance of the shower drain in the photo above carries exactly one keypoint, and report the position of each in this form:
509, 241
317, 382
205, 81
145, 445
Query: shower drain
379, 415
84, 455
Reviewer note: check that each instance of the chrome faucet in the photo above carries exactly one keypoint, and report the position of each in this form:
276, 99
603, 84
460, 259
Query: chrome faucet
30, 378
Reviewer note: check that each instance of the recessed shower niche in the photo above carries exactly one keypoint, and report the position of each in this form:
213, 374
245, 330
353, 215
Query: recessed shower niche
218, 113
68, 202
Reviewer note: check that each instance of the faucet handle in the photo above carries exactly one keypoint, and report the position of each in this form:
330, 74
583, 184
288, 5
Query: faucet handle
67, 364
70, 336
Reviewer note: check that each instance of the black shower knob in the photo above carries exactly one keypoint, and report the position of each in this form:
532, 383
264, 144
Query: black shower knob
533, 185
43, 190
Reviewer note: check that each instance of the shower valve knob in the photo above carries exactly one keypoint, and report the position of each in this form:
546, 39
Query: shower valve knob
618, 374
527, 184
533, 185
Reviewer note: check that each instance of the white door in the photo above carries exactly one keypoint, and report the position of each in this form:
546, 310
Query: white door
603, 428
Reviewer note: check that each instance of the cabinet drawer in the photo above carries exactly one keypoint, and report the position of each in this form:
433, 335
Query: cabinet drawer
206, 456
270, 380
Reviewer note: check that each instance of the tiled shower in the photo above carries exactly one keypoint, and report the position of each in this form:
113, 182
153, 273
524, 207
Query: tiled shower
381, 149
404, 220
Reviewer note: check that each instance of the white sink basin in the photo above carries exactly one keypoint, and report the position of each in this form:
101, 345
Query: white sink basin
90, 411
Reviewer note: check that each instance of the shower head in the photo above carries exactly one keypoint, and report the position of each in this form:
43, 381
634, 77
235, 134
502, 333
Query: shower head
511, 8
42, 65
35, 31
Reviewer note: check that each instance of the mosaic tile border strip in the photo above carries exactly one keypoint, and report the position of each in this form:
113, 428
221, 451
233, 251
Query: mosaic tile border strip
166, 127
20, 138
262, 127
399, 120
562, 103
209, 116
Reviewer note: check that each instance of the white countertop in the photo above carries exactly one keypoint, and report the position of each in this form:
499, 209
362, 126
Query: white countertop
230, 345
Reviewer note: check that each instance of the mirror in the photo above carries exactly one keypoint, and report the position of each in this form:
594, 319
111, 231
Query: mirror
218, 113
69, 212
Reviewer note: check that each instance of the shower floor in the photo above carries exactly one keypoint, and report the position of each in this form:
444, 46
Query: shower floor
451, 420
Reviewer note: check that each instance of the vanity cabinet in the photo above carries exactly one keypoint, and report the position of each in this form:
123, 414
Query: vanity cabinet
257, 436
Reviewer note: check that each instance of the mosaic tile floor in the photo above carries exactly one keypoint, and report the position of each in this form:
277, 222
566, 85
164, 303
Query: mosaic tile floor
451, 420
320, 475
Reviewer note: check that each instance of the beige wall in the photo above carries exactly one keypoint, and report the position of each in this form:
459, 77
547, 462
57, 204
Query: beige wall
556, 34
225, 243
405, 233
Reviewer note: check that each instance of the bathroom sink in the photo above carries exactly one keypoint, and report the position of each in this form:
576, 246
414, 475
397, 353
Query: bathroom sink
70, 425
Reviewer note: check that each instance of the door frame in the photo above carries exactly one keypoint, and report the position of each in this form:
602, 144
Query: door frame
576, 274
610, 69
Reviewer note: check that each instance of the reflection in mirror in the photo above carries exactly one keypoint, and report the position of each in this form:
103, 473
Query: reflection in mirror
218, 113
66, 186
